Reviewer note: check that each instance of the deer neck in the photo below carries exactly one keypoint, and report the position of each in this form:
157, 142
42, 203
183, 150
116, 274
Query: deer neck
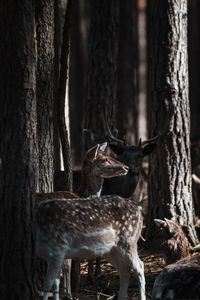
90, 185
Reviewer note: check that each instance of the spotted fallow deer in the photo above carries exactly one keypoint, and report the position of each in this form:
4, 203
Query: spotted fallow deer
106, 226
97, 165
168, 241
179, 280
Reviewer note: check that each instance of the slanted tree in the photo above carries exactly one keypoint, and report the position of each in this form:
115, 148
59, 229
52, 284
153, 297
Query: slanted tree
170, 166
17, 153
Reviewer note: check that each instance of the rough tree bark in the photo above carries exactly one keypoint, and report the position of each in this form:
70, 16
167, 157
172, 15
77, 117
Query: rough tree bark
102, 66
194, 65
18, 142
127, 84
78, 75
45, 92
170, 166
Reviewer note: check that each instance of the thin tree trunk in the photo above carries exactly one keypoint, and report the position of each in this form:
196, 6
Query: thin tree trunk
64, 135
170, 166
45, 91
18, 143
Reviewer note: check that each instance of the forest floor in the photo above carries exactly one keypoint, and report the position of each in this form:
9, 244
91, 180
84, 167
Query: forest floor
108, 281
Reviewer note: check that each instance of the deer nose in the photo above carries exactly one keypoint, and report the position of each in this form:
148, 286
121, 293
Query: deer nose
132, 169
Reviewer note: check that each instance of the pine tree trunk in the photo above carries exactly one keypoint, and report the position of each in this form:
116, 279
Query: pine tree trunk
102, 66
45, 91
78, 75
194, 65
127, 84
18, 143
170, 166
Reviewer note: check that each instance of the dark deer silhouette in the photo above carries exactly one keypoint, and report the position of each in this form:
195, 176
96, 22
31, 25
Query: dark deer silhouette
132, 156
179, 281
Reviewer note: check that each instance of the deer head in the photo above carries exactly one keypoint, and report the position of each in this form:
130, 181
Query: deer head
132, 156
97, 165
168, 241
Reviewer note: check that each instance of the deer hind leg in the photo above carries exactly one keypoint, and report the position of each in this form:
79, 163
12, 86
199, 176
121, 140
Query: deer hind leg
138, 267
56, 290
53, 268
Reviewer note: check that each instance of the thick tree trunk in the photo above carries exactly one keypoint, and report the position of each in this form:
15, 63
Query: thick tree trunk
18, 143
102, 66
170, 167
45, 91
127, 84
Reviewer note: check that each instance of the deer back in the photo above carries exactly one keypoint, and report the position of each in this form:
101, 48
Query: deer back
88, 227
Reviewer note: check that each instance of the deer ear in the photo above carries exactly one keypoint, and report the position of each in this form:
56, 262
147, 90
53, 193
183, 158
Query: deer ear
159, 222
103, 146
148, 149
169, 227
117, 149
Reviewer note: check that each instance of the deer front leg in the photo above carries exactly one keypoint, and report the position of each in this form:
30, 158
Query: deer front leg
56, 290
67, 277
53, 268
138, 267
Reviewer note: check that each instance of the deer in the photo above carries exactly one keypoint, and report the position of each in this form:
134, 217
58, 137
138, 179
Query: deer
132, 184
97, 165
132, 156
108, 226
180, 280
182, 270
168, 241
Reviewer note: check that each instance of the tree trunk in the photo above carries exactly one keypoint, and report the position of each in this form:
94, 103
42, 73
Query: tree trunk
45, 92
194, 65
170, 166
18, 143
78, 75
102, 66
127, 84
63, 130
